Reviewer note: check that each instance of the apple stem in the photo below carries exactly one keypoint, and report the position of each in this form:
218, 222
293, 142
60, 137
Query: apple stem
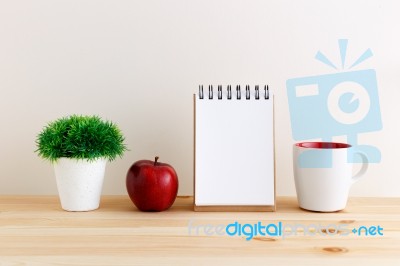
155, 160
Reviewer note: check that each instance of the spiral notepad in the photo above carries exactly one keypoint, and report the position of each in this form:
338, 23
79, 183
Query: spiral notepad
234, 164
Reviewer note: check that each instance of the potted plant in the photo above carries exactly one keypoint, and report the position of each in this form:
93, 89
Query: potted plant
79, 147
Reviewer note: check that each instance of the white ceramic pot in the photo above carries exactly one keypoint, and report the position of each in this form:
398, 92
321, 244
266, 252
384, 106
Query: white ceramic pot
79, 183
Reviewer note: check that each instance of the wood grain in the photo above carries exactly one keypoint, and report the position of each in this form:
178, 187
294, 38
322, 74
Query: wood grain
34, 230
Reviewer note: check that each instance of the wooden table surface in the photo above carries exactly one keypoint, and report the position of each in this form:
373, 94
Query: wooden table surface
34, 230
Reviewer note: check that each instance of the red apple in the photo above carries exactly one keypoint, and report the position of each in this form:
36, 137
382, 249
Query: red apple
152, 186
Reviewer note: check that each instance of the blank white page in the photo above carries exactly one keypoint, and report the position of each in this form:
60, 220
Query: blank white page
234, 151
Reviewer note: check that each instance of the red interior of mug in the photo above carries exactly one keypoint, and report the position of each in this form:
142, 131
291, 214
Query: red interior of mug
323, 145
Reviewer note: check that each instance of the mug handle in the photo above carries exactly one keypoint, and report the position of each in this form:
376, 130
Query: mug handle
364, 167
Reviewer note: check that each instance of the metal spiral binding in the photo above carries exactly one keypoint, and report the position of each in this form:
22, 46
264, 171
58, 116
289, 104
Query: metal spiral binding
201, 93
238, 92
257, 89
219, 92
247, 92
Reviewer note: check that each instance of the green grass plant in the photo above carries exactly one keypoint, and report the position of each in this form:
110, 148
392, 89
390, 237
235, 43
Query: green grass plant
80, 137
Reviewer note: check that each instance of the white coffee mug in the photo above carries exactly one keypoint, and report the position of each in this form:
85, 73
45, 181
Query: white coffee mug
323, 174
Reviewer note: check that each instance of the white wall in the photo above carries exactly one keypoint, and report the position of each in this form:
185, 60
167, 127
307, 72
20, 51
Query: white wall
138, 63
